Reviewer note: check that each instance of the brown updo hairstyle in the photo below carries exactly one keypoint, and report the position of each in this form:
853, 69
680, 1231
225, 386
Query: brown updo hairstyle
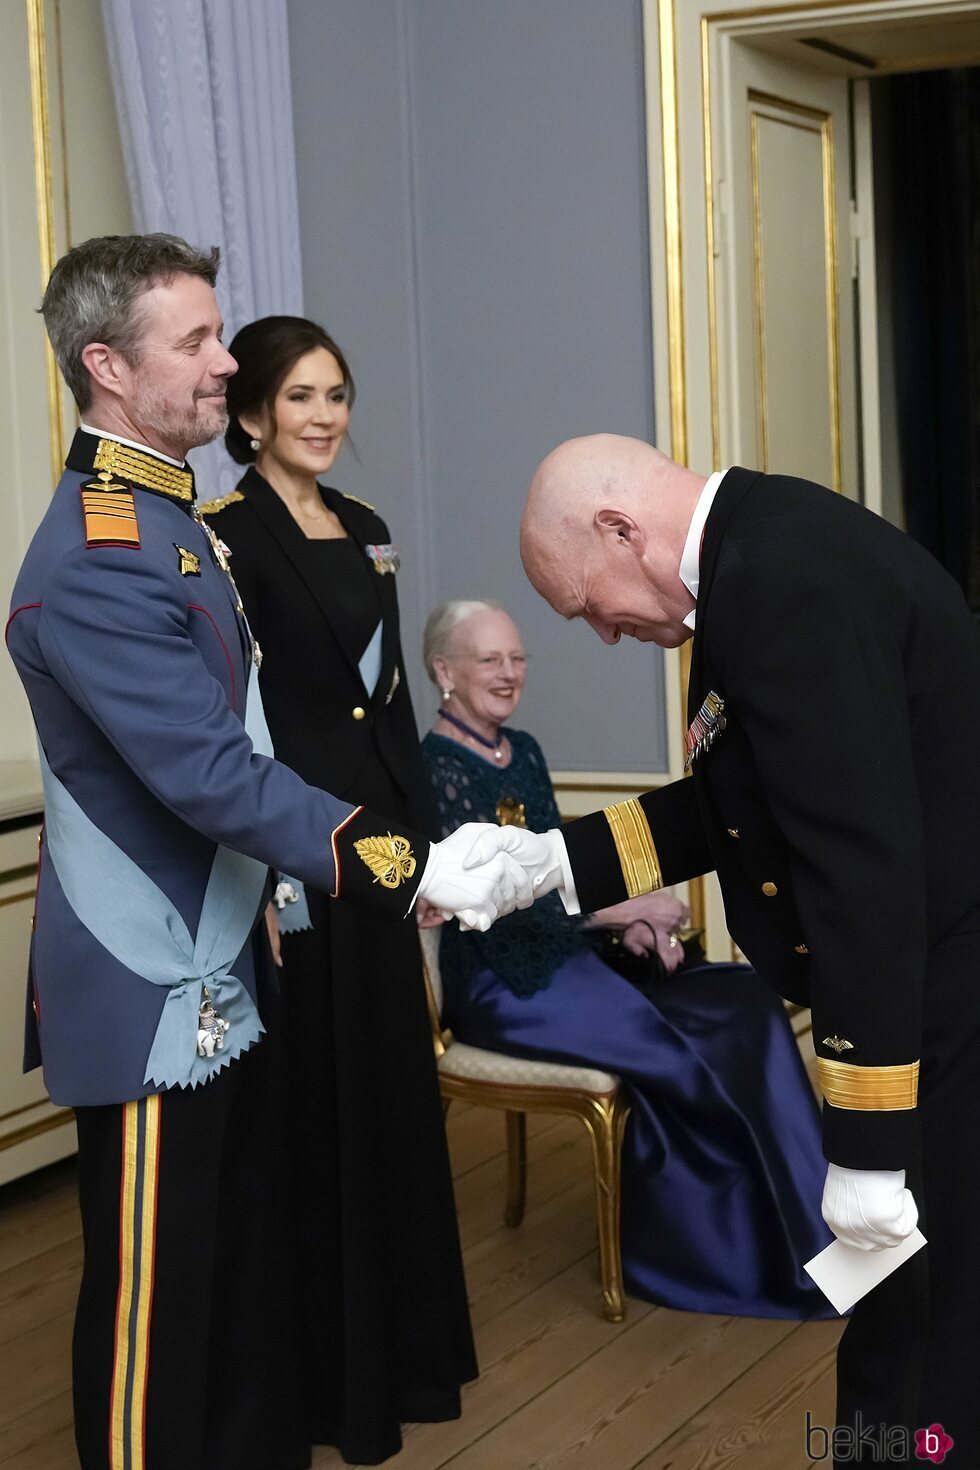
266, 351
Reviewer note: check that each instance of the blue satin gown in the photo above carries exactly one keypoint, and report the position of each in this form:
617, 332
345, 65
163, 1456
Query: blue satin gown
722, 1166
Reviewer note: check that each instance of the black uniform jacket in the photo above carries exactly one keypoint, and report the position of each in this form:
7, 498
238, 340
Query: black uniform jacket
840, 805
322, 719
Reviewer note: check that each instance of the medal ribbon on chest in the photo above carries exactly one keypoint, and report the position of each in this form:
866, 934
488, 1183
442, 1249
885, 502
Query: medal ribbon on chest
384, 558
705, 728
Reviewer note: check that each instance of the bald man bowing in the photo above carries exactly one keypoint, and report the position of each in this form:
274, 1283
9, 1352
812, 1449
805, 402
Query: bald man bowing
833, 711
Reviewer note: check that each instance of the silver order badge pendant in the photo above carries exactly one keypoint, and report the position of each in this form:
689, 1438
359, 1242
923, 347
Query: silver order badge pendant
211, 1027
220, 550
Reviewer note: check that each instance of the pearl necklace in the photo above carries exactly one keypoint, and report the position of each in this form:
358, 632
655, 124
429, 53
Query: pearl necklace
495, 745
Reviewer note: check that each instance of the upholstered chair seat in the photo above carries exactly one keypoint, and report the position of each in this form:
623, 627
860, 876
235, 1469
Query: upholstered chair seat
518, 1086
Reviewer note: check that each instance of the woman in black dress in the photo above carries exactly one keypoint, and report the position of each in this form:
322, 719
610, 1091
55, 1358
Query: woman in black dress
388, 1336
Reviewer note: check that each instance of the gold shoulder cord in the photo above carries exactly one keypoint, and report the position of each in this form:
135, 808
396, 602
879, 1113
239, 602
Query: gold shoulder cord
211, 507
357, 500
635, 847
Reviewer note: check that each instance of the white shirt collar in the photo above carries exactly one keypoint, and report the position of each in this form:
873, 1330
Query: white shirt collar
690, 568
132, 444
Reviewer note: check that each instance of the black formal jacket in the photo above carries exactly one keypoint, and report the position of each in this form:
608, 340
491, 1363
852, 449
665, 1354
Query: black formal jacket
322, 720
840, 804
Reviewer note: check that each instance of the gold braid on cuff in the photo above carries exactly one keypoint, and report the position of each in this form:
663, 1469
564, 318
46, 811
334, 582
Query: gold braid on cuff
635, 847
869, 1089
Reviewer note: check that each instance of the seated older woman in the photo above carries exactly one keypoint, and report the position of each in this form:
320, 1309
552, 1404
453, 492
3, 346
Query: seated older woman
722, 1167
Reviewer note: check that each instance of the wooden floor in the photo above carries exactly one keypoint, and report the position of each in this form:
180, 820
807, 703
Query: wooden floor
560, 1388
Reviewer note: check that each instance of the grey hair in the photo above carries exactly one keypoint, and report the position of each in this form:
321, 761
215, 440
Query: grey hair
94, 291
442, 623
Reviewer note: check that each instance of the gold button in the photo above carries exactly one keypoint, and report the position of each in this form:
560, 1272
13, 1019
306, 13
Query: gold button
800, 949
357, 712
239, 608
770, 890
733, 832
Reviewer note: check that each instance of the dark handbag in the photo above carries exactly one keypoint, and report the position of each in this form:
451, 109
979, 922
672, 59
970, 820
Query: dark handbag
647, 972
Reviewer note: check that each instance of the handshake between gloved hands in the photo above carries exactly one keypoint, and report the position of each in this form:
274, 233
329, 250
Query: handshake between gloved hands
480, 872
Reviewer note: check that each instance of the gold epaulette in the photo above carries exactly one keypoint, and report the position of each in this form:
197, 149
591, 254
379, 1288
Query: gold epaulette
110, 516
211, 507
357, 500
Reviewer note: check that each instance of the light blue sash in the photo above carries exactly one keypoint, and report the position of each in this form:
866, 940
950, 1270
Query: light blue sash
135, 921
369, 663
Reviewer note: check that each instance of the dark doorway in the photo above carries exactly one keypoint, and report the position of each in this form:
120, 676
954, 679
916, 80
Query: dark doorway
926, 130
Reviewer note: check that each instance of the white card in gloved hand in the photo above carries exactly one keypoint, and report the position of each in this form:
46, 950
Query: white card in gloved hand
845, 1274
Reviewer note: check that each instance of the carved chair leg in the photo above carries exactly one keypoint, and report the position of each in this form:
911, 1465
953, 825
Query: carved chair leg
605, 1126
516, 1167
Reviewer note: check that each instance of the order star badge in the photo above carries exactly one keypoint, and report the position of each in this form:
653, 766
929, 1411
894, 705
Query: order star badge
390, 859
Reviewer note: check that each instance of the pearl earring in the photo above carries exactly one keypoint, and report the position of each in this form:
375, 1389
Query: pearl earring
255, 443
446, 695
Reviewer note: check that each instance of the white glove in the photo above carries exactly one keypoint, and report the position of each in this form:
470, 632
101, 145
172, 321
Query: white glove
481, 893
540, 854
868, 1208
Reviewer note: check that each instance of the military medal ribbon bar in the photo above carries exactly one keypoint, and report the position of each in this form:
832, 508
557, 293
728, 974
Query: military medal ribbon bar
705, 728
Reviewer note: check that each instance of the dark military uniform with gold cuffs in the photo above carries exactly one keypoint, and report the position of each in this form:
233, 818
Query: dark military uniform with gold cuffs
130, 639
834, 702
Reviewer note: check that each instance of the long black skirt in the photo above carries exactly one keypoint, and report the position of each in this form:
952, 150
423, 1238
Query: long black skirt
387, 1330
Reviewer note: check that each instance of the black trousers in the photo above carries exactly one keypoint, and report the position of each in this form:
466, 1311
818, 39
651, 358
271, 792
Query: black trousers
909, 1357
186, 1330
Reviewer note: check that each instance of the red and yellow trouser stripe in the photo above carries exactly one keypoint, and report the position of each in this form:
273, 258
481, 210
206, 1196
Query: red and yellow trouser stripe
137, 1240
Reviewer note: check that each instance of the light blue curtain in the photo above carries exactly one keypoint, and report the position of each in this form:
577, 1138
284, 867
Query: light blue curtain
205, 111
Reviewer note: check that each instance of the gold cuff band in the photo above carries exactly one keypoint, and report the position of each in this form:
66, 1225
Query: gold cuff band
635, 848
869, 1089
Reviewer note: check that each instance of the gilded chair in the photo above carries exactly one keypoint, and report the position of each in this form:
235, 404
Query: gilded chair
517, 1087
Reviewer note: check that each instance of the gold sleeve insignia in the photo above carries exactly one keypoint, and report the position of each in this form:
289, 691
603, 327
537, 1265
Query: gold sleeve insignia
390, 859
211, 507
635, 848
869, 1089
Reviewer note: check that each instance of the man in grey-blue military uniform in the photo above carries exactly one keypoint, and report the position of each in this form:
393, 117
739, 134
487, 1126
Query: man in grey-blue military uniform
164, 813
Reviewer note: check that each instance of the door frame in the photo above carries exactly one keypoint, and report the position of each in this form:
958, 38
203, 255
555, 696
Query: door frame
684, 52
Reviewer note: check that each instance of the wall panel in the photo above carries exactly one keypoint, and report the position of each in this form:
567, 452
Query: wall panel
473, 214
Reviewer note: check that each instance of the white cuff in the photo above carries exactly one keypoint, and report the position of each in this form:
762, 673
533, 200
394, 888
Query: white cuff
566, 888
425, 873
